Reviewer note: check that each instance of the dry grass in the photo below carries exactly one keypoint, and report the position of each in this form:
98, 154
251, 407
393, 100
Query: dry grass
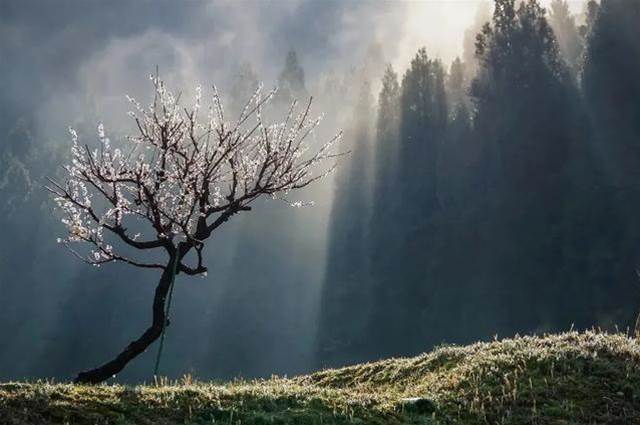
570, 378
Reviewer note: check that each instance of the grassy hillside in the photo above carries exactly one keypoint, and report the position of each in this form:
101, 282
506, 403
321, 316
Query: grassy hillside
572, 378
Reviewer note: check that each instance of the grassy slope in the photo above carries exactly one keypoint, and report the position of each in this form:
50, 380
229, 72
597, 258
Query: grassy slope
570, 378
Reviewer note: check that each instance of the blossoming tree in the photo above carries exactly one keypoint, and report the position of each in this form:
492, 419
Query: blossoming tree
184, 173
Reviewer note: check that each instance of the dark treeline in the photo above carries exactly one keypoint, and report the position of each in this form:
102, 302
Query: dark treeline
504, 195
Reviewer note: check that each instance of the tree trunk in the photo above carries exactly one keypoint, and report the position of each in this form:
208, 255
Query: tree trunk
135, 348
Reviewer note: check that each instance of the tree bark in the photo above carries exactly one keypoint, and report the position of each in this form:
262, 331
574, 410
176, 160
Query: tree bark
135, 348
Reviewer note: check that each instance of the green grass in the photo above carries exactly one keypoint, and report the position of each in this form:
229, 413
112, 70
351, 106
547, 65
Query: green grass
571, 378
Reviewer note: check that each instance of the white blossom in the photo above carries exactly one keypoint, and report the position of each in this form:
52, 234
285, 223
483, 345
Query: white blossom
184, 173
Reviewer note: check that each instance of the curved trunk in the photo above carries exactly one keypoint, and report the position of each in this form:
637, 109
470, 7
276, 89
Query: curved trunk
135, 348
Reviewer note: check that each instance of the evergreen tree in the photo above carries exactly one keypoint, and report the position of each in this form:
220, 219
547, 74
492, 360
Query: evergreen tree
590, 16
424, 119
348, 279
457, 151
291, 83
469, 58
387, 134
402, 289
244, 84
457, 85
567, 33
612, 89
384, 240
525, 123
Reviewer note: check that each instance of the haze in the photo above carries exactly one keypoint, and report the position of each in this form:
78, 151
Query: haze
293, 289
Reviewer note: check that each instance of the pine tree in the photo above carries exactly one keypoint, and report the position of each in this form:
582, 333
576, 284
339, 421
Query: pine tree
424, 118
403, 252
567, 33
525, 124
384, 239
291, 83
457, 85
348, 280
244, 84
469, 58
612, 89
387, 133
590, 16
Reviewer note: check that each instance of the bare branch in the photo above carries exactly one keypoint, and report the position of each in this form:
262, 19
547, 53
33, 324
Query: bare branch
185, 173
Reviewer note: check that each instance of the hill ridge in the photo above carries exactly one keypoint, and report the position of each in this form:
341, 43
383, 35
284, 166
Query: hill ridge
572, 377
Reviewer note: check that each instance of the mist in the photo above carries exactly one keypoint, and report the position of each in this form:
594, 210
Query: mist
288, 290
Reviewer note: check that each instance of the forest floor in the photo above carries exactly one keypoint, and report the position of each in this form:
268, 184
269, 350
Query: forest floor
570, 378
